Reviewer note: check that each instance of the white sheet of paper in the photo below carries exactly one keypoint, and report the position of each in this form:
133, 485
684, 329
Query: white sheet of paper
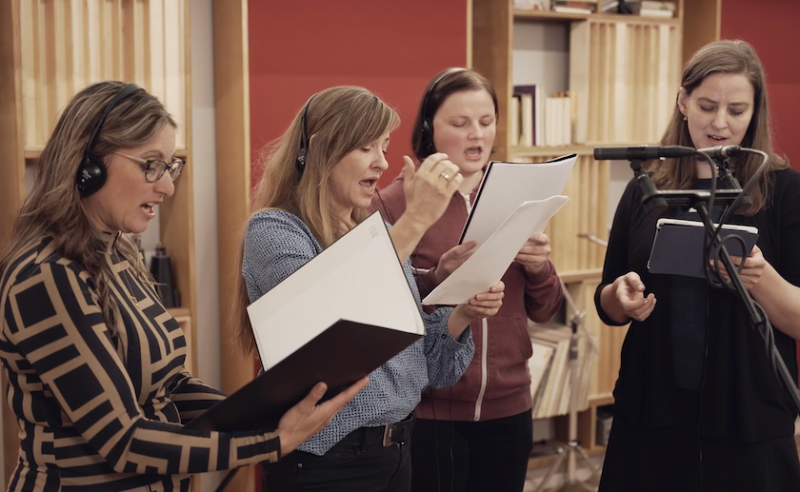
358, 278
491, 260
506, 186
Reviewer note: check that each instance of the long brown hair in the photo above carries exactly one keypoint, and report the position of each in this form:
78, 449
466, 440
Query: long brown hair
733, 58
54, 207
338, 121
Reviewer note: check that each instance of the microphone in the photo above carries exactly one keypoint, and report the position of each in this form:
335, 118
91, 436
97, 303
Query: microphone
653, 204
721, 151
642, 153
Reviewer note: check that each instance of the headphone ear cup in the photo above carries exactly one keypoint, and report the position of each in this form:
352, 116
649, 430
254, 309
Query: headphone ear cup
427, 138
91, 176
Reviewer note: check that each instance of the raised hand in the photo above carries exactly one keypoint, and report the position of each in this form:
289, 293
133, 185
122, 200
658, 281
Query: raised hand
629, 292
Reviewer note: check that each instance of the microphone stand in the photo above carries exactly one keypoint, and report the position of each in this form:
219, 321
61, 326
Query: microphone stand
758, 319
573, 447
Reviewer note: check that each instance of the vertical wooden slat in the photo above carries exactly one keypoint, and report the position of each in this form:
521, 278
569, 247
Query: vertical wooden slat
173, 68
26, 28
139, 45
94, 44
492, 22
232, 106
12, 163
156, 51
77, 48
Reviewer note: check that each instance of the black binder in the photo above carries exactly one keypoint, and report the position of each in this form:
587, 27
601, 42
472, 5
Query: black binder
339, 356
678, 246
335, 320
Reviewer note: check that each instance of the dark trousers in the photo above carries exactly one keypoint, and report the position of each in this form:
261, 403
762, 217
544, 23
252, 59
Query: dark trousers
471, 456
358, 463
676, 459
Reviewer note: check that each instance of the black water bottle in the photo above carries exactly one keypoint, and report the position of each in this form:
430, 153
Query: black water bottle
161, 270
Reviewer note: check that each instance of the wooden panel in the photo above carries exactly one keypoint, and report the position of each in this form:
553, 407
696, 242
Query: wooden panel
12, 172
491, 57
701, 25
633, 71
67, 45
231, 96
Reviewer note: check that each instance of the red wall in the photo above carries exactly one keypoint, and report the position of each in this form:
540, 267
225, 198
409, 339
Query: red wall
391, 48
771, 27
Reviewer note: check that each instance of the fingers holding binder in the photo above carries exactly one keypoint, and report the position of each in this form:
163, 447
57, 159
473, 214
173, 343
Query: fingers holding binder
535, 253
306, 419
486, 304
630, 295
451, 260
751, 272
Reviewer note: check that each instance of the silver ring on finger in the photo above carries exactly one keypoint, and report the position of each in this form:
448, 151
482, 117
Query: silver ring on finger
445, 176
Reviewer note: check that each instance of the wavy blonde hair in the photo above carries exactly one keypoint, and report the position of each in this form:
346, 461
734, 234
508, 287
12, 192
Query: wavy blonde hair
339, 120
733, 58
54, 207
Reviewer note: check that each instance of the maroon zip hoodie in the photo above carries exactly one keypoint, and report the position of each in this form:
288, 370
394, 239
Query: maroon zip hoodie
497, 381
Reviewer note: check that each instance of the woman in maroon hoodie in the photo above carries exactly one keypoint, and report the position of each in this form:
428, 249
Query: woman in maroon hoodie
477, 435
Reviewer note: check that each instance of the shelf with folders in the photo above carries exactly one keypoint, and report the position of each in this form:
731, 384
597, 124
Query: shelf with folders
50, 50
521, 14
621, 75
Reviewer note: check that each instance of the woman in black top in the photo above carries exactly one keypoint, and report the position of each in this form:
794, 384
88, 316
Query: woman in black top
698, 406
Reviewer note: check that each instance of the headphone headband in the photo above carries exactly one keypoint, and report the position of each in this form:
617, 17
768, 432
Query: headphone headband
303, 154
122, 94
91, 175
427, 122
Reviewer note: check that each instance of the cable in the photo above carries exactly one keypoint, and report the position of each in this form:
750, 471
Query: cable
764, 327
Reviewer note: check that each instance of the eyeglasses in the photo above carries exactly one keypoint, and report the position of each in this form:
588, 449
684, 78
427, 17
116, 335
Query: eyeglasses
154, 169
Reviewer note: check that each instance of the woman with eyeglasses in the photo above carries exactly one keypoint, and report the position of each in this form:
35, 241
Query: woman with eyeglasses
94, 361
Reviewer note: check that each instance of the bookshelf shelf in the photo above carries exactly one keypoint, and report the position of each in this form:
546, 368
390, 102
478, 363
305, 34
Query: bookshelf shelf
601, 400
33, 154
581, 275
551, 16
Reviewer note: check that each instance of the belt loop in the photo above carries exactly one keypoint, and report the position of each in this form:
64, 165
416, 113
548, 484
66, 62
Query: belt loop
364, 439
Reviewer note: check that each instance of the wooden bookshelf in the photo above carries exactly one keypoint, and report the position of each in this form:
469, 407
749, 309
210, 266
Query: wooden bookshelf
624, 72
551, 16
51, 50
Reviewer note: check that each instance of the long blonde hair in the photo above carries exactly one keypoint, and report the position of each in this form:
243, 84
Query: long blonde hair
338, 120
54, 207
734, 58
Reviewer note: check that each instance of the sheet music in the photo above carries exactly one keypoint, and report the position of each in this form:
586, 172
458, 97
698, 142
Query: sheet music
358, 278
505, 186
491, 260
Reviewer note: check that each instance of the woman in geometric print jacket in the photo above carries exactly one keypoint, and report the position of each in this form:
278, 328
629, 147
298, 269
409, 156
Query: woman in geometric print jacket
95, 363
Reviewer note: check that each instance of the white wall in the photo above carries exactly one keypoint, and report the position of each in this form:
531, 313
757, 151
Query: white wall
205, 202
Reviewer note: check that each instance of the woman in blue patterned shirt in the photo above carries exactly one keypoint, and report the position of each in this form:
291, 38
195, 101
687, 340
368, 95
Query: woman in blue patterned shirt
319, 179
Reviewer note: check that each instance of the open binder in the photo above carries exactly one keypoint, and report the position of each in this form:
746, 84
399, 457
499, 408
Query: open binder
336, 319
505, 186
678, 246
513, 202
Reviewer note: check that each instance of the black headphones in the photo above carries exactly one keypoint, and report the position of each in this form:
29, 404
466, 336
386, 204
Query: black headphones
427, 121
91, 174
303, 154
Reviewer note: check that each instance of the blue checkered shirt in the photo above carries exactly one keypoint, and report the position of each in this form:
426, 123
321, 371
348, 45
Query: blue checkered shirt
276, 245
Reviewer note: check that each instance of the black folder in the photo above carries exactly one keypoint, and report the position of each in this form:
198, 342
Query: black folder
335, 320
678, 246
339, 356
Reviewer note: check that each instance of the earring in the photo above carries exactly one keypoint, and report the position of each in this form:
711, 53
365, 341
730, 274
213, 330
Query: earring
685, 118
